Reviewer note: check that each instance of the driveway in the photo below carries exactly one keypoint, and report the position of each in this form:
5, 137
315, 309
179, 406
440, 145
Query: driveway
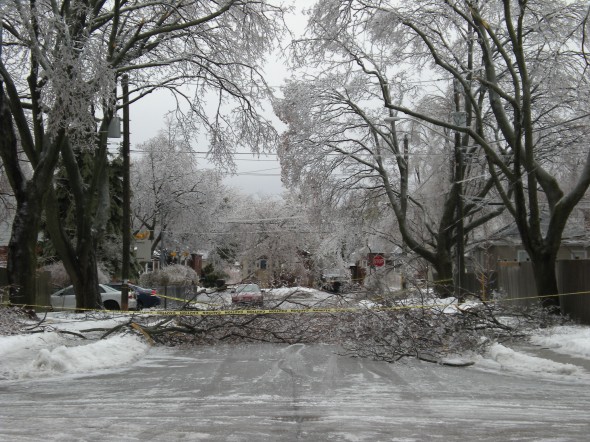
264, 392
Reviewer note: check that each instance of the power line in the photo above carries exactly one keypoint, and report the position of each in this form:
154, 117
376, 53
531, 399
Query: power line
198, 152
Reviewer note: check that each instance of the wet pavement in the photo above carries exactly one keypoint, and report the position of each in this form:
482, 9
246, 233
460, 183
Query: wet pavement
272, 392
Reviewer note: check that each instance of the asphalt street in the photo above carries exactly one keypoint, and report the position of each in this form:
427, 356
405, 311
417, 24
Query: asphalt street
268, 392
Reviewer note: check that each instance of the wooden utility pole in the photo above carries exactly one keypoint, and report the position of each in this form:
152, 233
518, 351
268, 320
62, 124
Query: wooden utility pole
460, 235
126, 197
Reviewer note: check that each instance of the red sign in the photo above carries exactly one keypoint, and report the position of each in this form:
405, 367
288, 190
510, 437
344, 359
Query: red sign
378, 261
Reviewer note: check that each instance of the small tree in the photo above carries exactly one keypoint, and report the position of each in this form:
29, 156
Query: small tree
210, 276
170, 275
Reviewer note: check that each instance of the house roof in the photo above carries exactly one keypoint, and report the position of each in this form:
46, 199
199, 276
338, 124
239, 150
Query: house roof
575, 232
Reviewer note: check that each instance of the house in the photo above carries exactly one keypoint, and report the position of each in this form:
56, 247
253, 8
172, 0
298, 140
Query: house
503, 263
258, 269
294, 269
378, 264
505, 246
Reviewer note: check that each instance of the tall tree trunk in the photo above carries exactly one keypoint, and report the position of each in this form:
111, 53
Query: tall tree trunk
545, 278
85, 280
29, 194
443, 282
22, 248
91, 203
80, 260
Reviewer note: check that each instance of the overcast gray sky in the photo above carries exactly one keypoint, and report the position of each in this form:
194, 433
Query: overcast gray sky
256, 174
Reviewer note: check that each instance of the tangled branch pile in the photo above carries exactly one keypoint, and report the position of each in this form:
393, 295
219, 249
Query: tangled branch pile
439, 331
422, 326
12, 319
274, 328
430, 329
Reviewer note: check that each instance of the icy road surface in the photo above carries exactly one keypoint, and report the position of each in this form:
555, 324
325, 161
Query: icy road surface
289, 393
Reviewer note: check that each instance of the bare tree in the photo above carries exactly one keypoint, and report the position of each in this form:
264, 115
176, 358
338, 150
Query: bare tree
269, 235
337, 128
60, 65
521, 81
7, 203
172, 198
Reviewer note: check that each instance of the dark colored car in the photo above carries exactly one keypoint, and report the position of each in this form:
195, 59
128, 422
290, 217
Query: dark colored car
247, 294
146, 298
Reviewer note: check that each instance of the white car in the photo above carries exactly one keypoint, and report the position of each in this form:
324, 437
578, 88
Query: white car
111, 298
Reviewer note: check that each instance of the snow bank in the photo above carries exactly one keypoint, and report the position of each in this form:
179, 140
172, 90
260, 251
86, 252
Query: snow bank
13, 346
76, 322
571, 340
286, 291
504, 358
108, 353
48, 354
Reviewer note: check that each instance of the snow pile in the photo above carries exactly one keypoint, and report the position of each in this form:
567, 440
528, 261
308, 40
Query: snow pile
572, 340
114, 352
365, 303
510, 360
51, 353
290, 291
77, 322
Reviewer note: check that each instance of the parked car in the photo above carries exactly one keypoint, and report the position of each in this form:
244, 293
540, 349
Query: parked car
247, 294
146, 298
111, 298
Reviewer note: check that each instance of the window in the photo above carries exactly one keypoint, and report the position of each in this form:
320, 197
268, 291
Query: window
262, 264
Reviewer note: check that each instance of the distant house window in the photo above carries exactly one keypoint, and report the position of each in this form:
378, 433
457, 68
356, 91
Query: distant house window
522, 256
262, 264
579, 254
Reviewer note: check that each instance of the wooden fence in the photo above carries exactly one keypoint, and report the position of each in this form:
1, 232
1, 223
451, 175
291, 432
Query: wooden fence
44, 290
573, 279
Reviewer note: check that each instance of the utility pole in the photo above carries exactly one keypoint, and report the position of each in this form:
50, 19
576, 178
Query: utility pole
460, 235
404, 276
163, 253
126, 197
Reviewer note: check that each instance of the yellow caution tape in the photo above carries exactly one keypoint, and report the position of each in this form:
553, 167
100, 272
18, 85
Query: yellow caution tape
251, 311
289, 311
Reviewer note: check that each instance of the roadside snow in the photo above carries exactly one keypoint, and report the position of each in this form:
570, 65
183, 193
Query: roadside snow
571, 340
286, 291
108, 353
509, 360
51, 353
